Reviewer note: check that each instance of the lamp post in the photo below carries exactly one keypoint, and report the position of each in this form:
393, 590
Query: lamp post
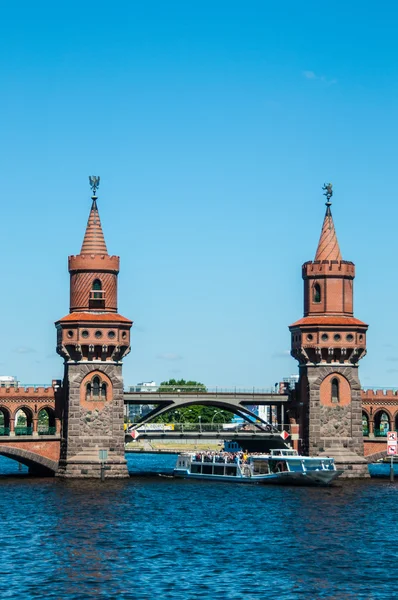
217, 412
200, 423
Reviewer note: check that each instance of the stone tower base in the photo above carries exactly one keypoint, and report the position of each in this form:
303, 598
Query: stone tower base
88, 466
354, 466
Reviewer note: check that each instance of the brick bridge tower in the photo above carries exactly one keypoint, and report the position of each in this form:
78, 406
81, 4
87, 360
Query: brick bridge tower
328, 343
93, 339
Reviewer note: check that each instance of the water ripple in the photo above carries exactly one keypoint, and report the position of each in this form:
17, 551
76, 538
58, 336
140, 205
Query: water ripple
149, 538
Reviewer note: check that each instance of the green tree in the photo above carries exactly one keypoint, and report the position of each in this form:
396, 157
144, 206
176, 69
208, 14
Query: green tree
191, 413
174, 385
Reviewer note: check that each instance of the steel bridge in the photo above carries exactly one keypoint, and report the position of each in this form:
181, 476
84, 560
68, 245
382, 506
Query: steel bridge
235, 400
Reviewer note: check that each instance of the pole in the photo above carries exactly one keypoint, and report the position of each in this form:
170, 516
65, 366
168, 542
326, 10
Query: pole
392, 469
102, 472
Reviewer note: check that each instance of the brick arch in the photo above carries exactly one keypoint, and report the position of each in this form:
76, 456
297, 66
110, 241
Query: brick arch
346, 372
6, 410
382, 409
24, 408
34, 461
46, 407
377, 415
51, 414
103, 379
325, 390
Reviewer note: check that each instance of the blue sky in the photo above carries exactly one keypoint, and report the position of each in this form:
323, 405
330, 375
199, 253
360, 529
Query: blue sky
213, 126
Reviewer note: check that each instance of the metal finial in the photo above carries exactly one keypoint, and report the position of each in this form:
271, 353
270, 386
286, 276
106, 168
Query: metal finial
94, 183
328, 192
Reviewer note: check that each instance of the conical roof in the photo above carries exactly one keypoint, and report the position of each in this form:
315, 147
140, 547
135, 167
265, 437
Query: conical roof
328, 246
94, 241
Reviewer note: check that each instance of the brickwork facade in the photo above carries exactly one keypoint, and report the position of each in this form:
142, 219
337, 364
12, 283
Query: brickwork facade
93, 339
328, 342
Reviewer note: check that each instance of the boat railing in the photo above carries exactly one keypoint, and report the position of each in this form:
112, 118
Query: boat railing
216, 459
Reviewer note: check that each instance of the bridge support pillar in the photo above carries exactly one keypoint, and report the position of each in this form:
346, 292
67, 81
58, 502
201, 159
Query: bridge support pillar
93, 422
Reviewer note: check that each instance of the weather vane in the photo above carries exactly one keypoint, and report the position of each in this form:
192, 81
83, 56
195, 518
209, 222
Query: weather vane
94, 183
328, 192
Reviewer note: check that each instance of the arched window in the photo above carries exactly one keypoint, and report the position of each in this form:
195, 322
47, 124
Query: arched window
97, 295
317, 293
96, 386
335, 390
46, 421
4, 422
382, 424
365, 424
23, 422
97, 287
96, 389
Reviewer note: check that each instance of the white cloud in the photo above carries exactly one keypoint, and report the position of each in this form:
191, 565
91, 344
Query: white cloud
24, 350
169, 356
312, 75
281, 354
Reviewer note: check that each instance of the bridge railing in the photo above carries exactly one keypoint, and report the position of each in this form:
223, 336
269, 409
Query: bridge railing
207, 428
187, 389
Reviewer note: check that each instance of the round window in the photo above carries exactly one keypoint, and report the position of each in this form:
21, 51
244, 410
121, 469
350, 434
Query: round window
310, 337
337, 337
111, 335
124, 335
98, 334
361, 337
70, 334
85, 333
325, 337
350, 337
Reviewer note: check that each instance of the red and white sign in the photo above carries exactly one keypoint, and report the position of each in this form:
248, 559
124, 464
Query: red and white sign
285, 434
392, 437
392, 449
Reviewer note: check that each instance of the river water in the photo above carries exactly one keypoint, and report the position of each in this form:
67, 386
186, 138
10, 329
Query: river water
154, 537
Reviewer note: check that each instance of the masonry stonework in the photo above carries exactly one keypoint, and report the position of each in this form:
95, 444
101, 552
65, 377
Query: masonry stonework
93, 339
328, 343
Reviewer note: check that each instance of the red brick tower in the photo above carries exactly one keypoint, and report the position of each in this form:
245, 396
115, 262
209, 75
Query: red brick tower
328, 343
93, 339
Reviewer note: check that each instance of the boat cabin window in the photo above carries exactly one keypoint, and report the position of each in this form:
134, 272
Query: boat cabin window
261, 467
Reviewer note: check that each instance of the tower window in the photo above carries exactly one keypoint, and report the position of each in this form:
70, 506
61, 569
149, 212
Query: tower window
96, 389
97, 295
97, 288
335, 390
317, 293
96, 386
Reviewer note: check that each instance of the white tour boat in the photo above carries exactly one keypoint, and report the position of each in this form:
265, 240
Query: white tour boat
282, 467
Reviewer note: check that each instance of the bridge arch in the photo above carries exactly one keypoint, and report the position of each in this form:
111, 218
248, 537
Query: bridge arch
46, 420
36, 463
233, 406
5, 418
382, 422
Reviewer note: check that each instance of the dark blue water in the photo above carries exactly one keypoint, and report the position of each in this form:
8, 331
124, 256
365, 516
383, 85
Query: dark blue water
155, 537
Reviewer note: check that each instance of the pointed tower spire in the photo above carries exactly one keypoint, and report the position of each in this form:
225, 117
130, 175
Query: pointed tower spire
328, 246
94, 241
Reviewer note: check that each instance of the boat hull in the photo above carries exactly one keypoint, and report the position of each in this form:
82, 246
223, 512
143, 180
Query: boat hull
381, 470
310, 478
